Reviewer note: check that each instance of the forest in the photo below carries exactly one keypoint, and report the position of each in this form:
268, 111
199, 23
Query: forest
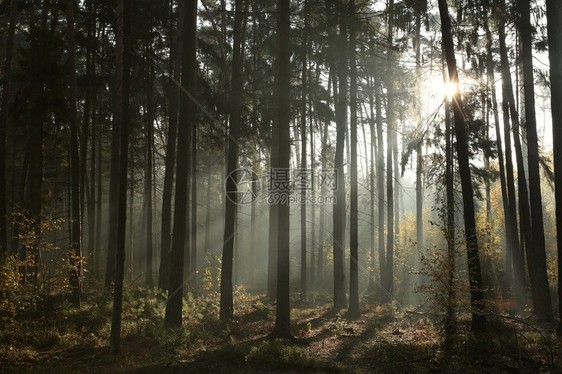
248, 186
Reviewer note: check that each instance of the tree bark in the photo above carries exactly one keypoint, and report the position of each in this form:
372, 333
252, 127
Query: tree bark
507, 181
303, 160
387, 281
339, 193
450, 322
543, 307
474, 272
124, 22
380, 183
282, 328
4, 108
90, 121
231, 201
509, 110
193, 236
173, 317
75, 253
149, 129
170, 162
322, 223
554, 19
114, 166
353, 310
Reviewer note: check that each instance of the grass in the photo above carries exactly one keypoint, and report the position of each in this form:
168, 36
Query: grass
381, 340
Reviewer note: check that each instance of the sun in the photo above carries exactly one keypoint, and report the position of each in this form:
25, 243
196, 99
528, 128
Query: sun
449, 89
435, 90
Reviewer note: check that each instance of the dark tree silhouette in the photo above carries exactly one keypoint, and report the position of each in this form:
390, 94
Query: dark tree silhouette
226, 299
554, 19
282, 328
4, 104
123, 65
186, 118
75, 253
537, 262
339, 193
474, 272
353, 311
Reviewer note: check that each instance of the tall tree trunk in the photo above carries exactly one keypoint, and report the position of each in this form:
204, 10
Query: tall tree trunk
226, 296
474, 272
124, 27
387, 281
554, 18
372, 277
149, 129
322, 228
193, 237
450, 323
99, 195
303, 160
509, 109
313, 242
75, 254
513, 249
173, 317
272, 238
207, 246
130, 248
33, 201
170, 162
253, 219
114, 167
543, 308
419, 144
380, 183
90, 120
353, 311
282, 328
92, 192
4, 107
339, 193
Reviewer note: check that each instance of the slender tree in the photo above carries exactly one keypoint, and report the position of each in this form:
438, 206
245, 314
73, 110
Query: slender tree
124, 33
89, 122
510, 116
542, 294
282, 328
170, 162
76, 226
505, 176
339, 193
419, 155
303, 154
474, 272
148, 133
353, 311
554, 18
231, 198
388, 279
380, 181
450, 324
114, 163
173, 317
193, 233
4, 105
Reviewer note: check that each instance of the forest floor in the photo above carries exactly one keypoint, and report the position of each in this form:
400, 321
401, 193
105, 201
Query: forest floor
383, 339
